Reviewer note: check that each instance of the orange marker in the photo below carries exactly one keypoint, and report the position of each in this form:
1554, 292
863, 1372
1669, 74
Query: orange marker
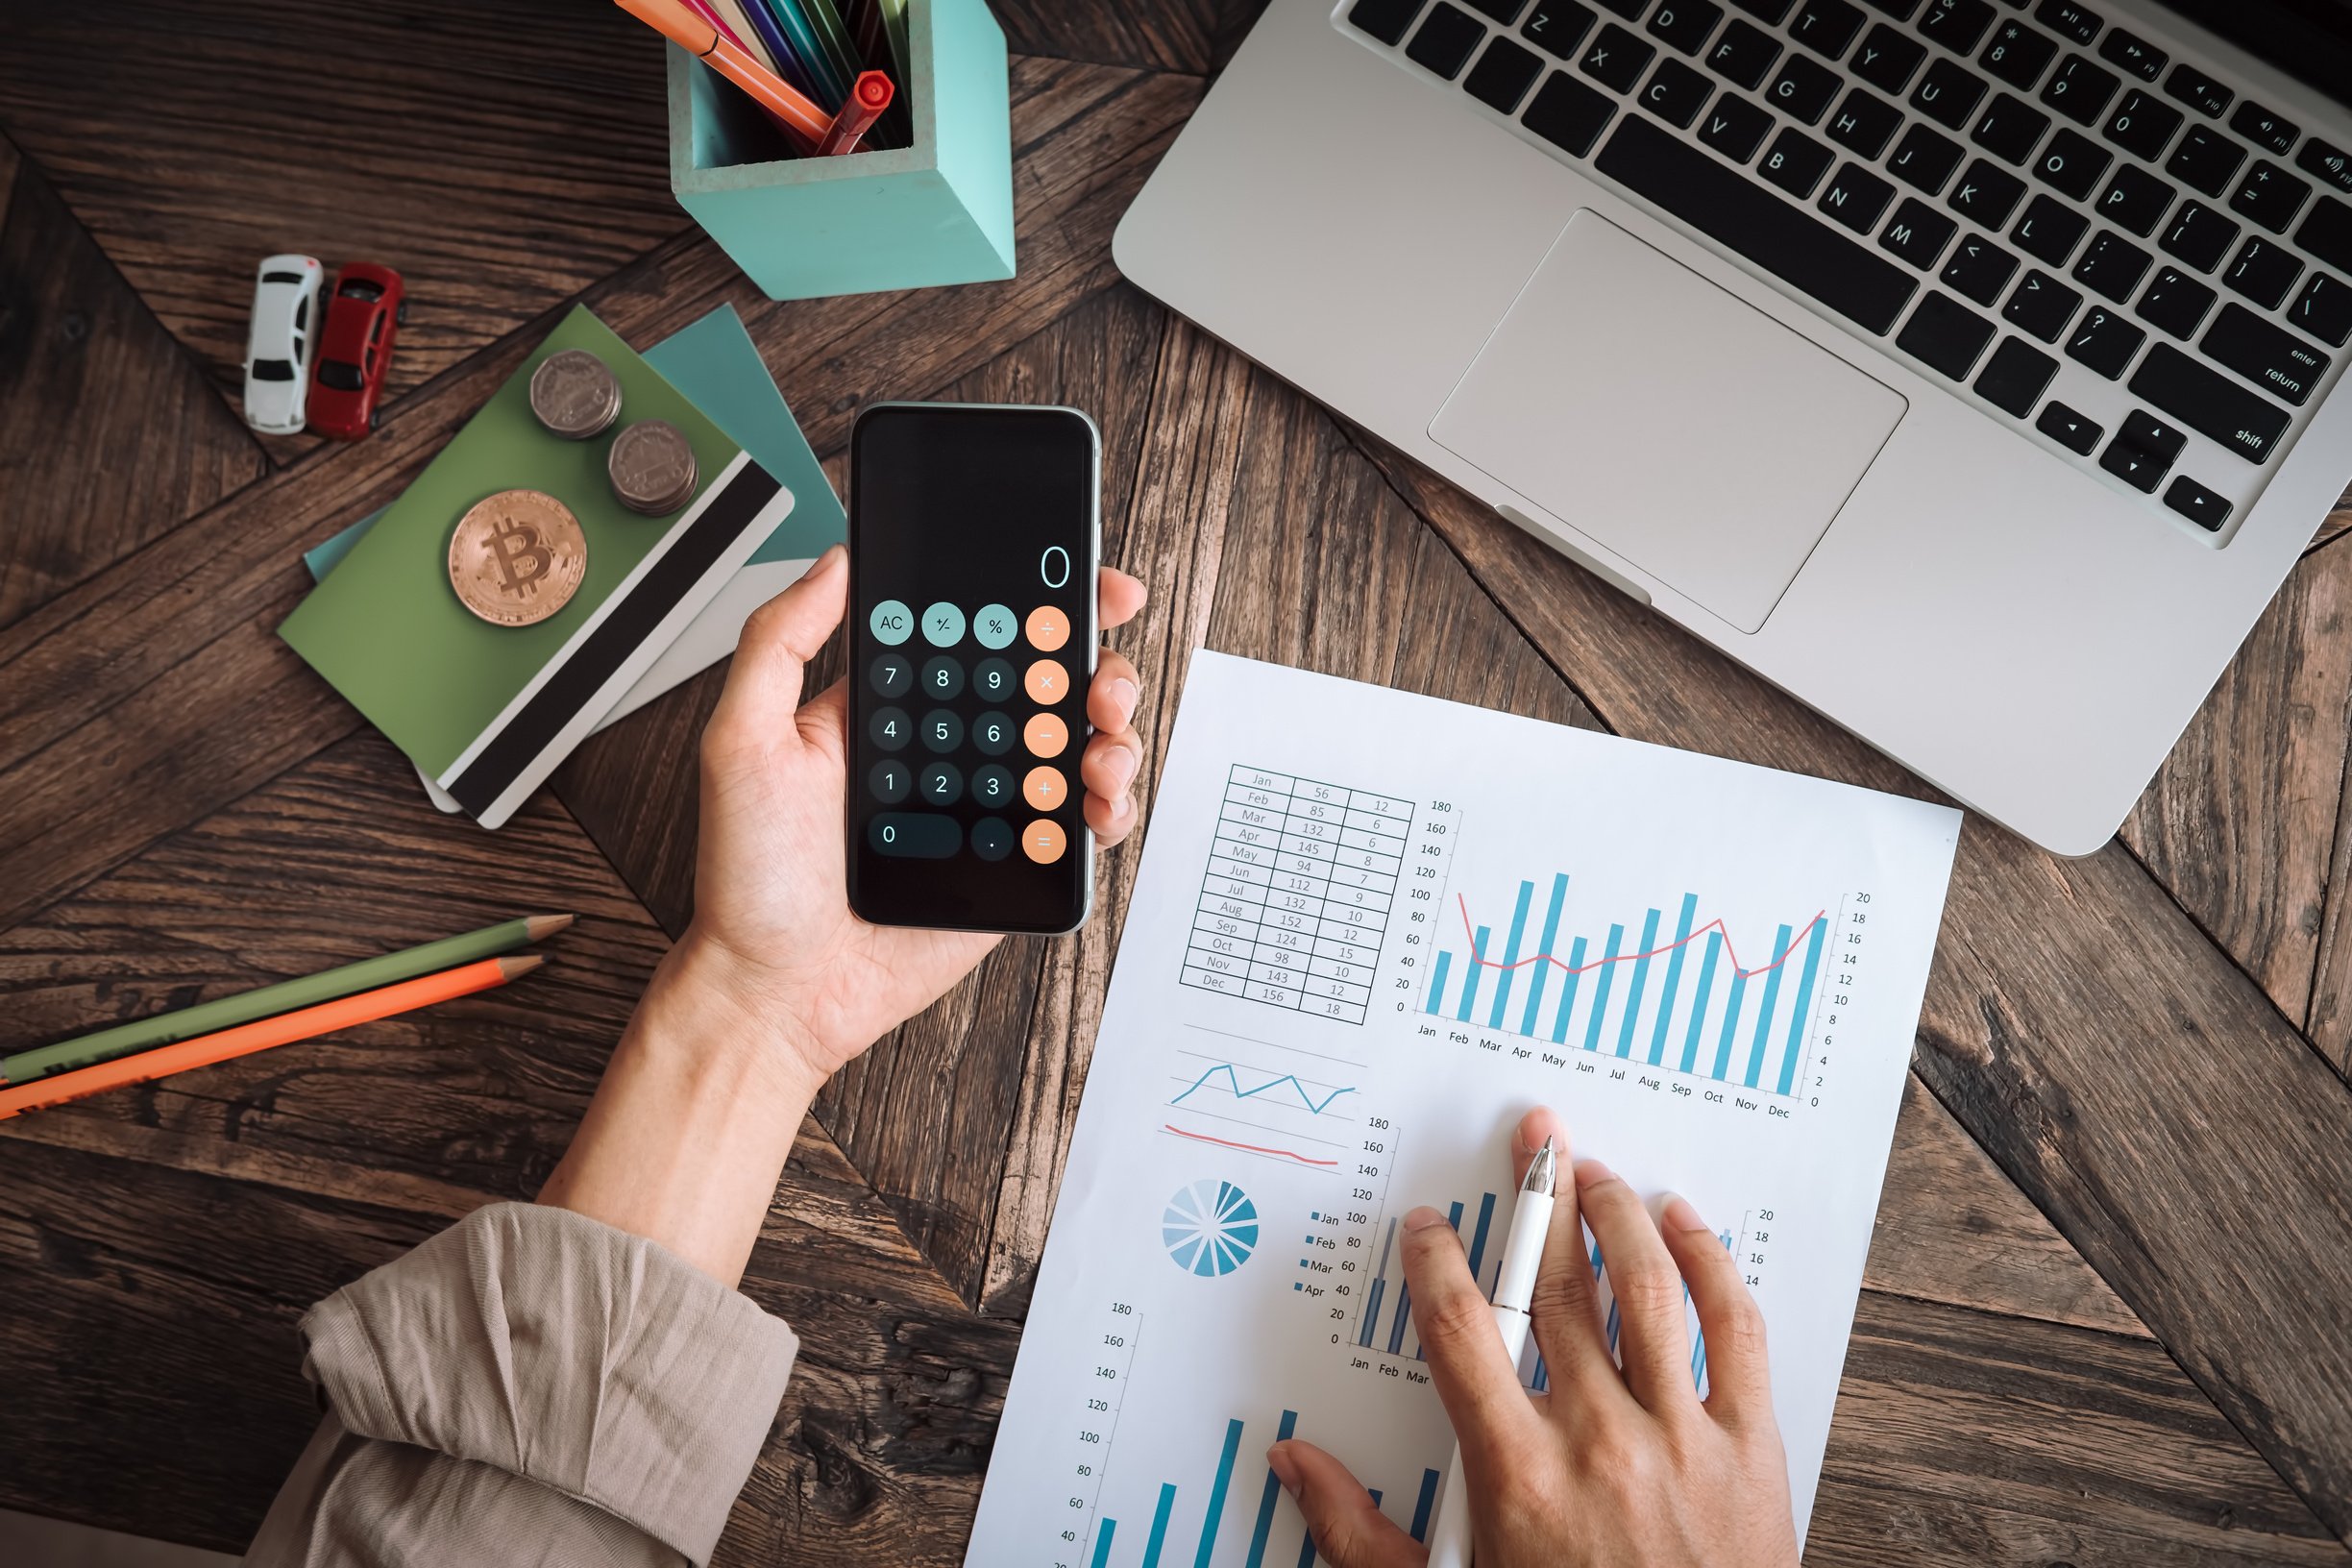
868, 96
248, 1038
697, 37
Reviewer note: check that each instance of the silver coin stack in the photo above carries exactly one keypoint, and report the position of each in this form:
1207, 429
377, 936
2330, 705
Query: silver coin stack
574, 394
652, 469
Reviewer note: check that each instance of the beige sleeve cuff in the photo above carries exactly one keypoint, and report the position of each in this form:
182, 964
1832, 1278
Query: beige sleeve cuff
564, 1351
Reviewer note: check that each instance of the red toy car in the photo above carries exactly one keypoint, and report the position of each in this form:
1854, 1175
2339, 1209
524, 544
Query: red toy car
354, 352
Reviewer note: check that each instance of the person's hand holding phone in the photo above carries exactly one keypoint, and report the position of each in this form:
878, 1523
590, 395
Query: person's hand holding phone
1609, 1468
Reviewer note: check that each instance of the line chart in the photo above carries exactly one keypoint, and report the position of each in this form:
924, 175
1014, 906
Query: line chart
1307, 1097
1477, 944
1251, 1148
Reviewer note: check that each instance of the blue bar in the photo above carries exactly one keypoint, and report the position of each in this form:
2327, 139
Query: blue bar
1216, 1494
1396, 1324
1422, 1505
1543, 970
1543, 1376
1265, 1499
1731, 1023
1804, 1003
1600, 989
1772, 992
1436, 995
1641, 973
1306, 1553
1102, 1542
1706, 983
1478, 966
1568, 991
1673, 977
1477, 1242
1511, 954
1160, 1518
1379, 1283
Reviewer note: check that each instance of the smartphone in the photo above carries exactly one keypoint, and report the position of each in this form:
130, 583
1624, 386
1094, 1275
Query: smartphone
975, 530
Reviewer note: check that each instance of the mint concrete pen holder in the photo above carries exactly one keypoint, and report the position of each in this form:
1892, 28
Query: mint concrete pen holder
939, 212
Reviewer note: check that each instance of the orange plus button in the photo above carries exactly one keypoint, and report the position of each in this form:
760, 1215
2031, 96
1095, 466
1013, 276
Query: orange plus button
1046, 682
1042, 842
1045, 735
1044, 788
1048, 629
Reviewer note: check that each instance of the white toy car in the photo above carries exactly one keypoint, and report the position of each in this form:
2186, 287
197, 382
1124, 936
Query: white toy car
286, 322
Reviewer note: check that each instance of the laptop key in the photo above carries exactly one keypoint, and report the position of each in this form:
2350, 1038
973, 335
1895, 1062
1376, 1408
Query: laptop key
1948, 94
1887, 60
2135, 465
1631, 10
2014, 380
1505, 12
2104, 341
2175, 303
1825, 26
1864, 123
1559, 27
2199, 91
2071, 165
1899, 9
1803, 89
2205, 160
1985, 194
2019, 55
2271, 358
2198, 505
2324, 309
2112, 265
1616, 58
1923, 160
1502, 75
2199, 235
2136, 55
2072, 20
2042, 305
2210, 404
1772, 11
1743, 54
1917, 233
1383, 20
1685, 24
2332, 164
1956, 24
2136, 200
1443, 42
1793, 245
1980, 270
2069, 429
1946, 334
2080, 90
2327, 234
1736, 128
2264, 273
2265, 129
1796, 163
2151, 435
1855, 198
1568, 114
2142, 126
1675, 94
2008, 129
2049, 232
2270, 196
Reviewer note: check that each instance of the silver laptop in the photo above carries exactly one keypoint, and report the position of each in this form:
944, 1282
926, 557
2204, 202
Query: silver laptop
1971, 369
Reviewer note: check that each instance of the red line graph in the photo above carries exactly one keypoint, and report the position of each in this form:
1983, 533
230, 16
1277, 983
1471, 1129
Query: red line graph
1252, 1149
1471, 937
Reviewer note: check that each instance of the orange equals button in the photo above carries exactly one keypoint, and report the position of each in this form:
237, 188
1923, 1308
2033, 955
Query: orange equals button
1042, 842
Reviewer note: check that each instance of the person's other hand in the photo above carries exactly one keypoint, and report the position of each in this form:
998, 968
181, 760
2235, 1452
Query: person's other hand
1609, 1469
772, 899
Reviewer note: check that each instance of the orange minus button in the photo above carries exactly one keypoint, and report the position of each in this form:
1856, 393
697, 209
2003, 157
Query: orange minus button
1042, 842
1045, 735
1046, 682
1043, 789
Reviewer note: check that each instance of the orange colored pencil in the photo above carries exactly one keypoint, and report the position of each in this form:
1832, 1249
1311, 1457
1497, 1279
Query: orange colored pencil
675, 21
306, 1023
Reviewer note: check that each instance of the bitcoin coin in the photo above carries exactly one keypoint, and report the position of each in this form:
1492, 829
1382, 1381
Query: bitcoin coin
575, 395
652, 468
517, 557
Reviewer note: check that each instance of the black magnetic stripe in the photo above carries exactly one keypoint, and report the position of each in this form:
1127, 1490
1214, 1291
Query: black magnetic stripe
724, 517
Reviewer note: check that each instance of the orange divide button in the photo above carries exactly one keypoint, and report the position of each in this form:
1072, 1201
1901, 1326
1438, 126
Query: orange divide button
1045, 735
1048, 629
1042, 842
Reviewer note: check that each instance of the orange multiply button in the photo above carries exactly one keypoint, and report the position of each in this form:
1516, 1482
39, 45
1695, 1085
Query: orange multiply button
1042, 842
1044, 788
1046, 682
1048, 629
1045, 735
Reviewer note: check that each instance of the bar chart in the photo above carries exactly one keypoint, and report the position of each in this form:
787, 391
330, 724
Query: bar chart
1385, 1316
1691, 998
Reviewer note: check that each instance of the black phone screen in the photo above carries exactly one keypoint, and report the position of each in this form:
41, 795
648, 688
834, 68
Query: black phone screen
973, 542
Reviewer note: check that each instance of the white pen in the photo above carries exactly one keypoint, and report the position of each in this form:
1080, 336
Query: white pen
1449, 1544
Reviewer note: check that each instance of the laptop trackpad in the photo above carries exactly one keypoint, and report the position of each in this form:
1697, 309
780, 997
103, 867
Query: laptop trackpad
1681, 428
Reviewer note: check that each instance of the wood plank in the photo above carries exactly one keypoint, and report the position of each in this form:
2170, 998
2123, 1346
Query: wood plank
2336, 522
2138, 1087
1166, 34
2239, 823
111, 434
500, 169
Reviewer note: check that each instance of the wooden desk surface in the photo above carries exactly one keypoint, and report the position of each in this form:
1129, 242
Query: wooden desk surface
2106, 1311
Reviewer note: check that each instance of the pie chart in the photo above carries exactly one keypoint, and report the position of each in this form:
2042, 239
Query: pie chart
1210, 1228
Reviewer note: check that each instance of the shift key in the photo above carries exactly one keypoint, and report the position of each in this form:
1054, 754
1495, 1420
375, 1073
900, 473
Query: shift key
2208, 402
2273, 359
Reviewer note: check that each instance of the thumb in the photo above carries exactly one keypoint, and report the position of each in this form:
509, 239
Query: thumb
1349, 1530
780, 638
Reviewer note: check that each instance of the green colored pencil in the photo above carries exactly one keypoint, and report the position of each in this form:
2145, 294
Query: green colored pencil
229, 1012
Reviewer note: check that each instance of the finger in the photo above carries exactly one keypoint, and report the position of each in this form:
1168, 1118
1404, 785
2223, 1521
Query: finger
1473, 1373
1119, 598
1111, 764
1730, 1325
1648, 1287
1349, 1530
778, 640
1112, 820
1112, 694
1564, 1309
1535, 1128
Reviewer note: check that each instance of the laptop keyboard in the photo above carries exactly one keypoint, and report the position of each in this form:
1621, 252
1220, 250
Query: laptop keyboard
2131, 262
